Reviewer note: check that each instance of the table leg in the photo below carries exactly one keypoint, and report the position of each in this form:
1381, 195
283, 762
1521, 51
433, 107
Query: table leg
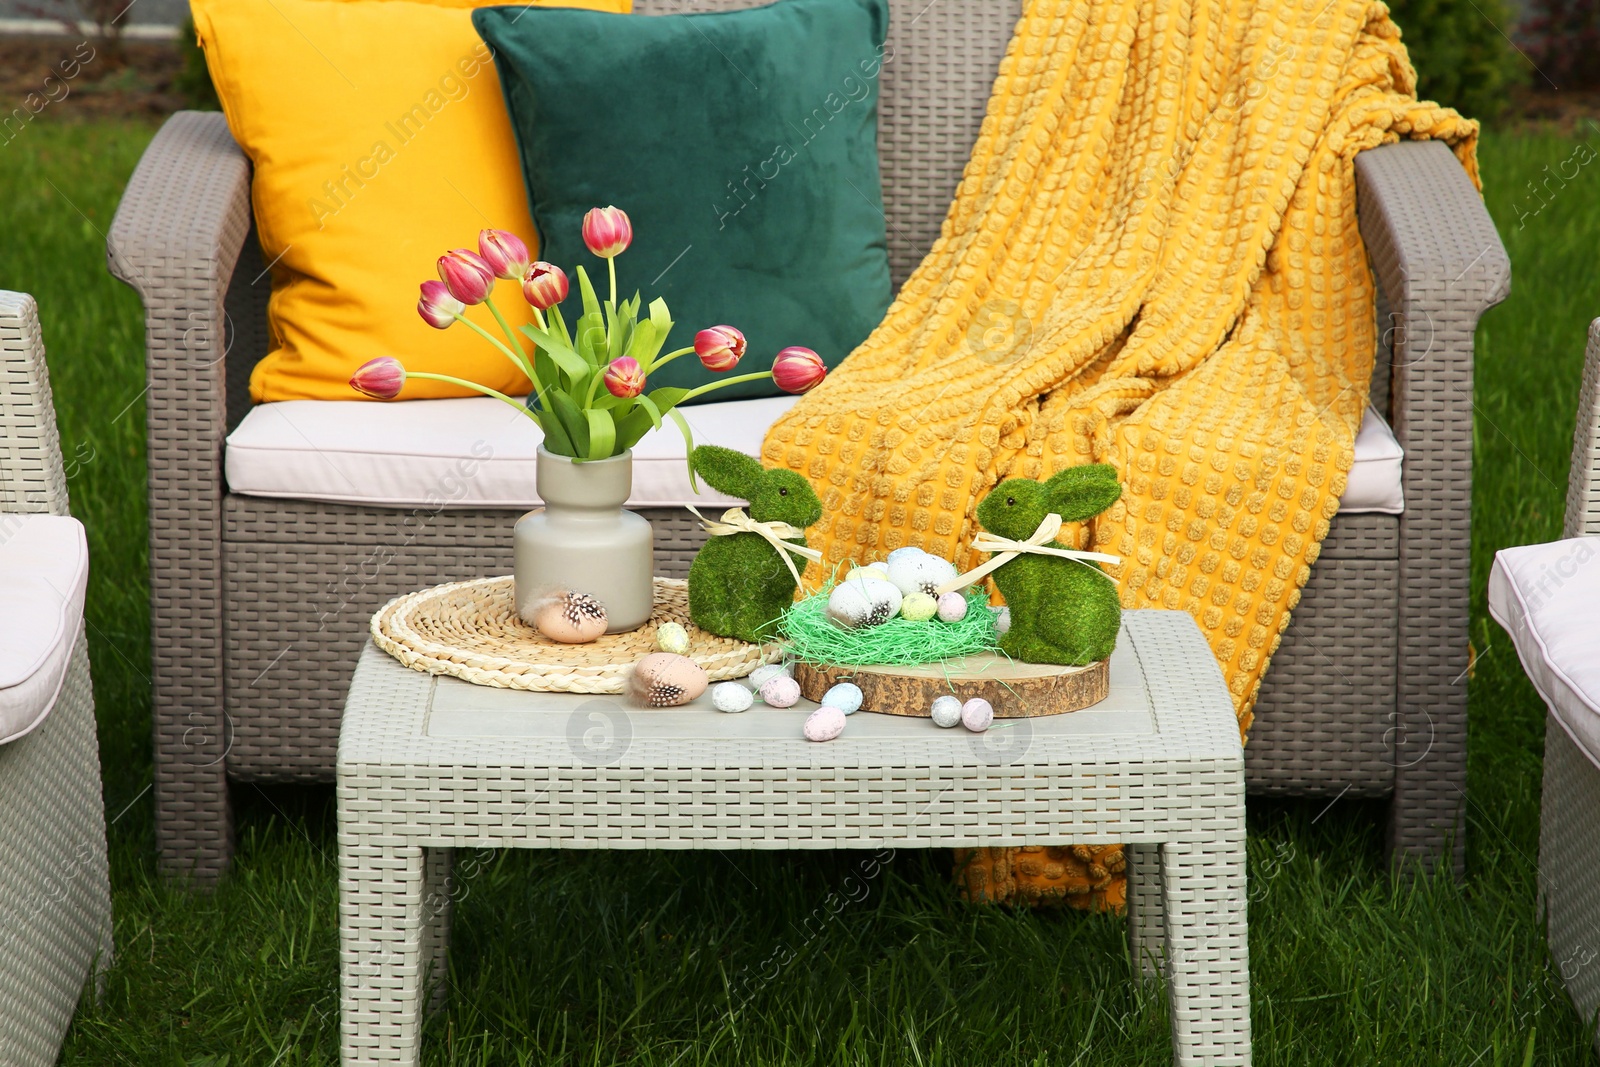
1208, 963
381, 921
1147, 935
438, 899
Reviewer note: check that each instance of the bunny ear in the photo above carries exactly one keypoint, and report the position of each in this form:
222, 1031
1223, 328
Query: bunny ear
728, 471
1078, 493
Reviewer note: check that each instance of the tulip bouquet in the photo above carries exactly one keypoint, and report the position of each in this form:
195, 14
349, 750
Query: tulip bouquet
588, 378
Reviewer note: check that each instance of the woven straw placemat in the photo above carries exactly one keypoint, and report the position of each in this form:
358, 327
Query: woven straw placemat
471, 631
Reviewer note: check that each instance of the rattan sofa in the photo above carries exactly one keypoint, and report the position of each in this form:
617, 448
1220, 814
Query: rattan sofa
55, 895
260, 606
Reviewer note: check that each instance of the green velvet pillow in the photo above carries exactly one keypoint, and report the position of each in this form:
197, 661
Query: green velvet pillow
743, 146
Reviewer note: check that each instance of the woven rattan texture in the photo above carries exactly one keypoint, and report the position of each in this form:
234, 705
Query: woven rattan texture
181, 238
471, 630
55, 897
1438, 257
403, 797
1569, 857
1583, 483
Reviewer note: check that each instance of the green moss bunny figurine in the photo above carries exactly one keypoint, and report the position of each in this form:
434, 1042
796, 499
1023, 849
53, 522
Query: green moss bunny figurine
1063, 611
738, 586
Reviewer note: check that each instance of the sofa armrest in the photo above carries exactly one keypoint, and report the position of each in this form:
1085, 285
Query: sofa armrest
1583, 483
1441, 265
32, 478
176, 240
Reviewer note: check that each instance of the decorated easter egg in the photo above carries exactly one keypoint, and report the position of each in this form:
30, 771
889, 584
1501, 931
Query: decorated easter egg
871, 570
571, 618
952, 606
758, 677
731, 697
824, 724
665, 680
977, 715
918, 607
904, 553
946, 710
921, 573
846, 696
672, 637
1002, 621
780, 691
862, 602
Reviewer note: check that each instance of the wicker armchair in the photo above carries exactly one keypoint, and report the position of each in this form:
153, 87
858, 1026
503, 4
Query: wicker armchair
260, 606
55, 898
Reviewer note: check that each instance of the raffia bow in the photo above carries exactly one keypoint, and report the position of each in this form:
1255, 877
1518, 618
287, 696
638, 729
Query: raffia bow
735, 521
1009, 550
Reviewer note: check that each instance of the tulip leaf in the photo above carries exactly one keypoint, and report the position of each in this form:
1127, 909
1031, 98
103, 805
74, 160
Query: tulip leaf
660, 318
572, 420
558, 325
666, 398
617, 337
602, 433
555, 435
688, 444
649, 407
642, 345
591, 304
576, 367
632, 427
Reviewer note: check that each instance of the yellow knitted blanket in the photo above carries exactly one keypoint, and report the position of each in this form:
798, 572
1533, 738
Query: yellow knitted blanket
1152, 261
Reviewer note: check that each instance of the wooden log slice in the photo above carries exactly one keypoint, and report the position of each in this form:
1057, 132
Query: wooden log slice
1016, 690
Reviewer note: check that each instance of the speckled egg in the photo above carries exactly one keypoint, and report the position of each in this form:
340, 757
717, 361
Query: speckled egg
665, 680
672, 637
918, 607
904, 553
863, 602
977, 715
824, 724
780, 691
952, 606
920, 574
731, 697
759, 677
946, 710
846, 696
571, 618
1002, 621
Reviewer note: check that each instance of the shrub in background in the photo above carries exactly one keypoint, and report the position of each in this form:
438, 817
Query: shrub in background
1463, 59
194, 81
1563, 40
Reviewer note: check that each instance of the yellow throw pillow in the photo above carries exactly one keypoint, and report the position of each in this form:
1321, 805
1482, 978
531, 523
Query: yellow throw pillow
380, 140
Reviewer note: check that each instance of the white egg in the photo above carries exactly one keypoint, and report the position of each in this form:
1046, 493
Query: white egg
1002, 621
731, 697
780, 691
824, 724
904, 553
920, 574
953, 606
672, 637
846, 696
977, 715
871, 570
758, 677
946, 710
863, 602
918, 607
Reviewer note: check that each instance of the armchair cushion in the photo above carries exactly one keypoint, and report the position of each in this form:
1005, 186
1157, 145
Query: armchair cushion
479, 453
1548, 599
744, 146
379, 140
44, 570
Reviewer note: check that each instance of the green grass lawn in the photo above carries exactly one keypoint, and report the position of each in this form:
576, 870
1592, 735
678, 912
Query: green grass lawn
612, 958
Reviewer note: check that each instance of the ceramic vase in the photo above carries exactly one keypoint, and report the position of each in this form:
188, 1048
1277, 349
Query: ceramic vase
584, 540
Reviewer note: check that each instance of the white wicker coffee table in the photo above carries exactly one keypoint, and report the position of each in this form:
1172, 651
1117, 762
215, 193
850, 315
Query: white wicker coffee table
429, 764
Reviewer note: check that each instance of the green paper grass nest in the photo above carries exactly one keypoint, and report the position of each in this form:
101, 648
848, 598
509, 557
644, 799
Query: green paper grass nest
898, 642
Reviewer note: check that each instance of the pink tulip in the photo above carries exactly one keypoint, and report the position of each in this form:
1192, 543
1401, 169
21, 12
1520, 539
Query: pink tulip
797, 370
607, 231
468, 277
437, 307
379, 378
505, 253
624, 378
719, 348
544, 285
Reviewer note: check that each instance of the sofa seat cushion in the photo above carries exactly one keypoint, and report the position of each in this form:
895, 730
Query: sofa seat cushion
1548, 599
477, 453
44, 570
